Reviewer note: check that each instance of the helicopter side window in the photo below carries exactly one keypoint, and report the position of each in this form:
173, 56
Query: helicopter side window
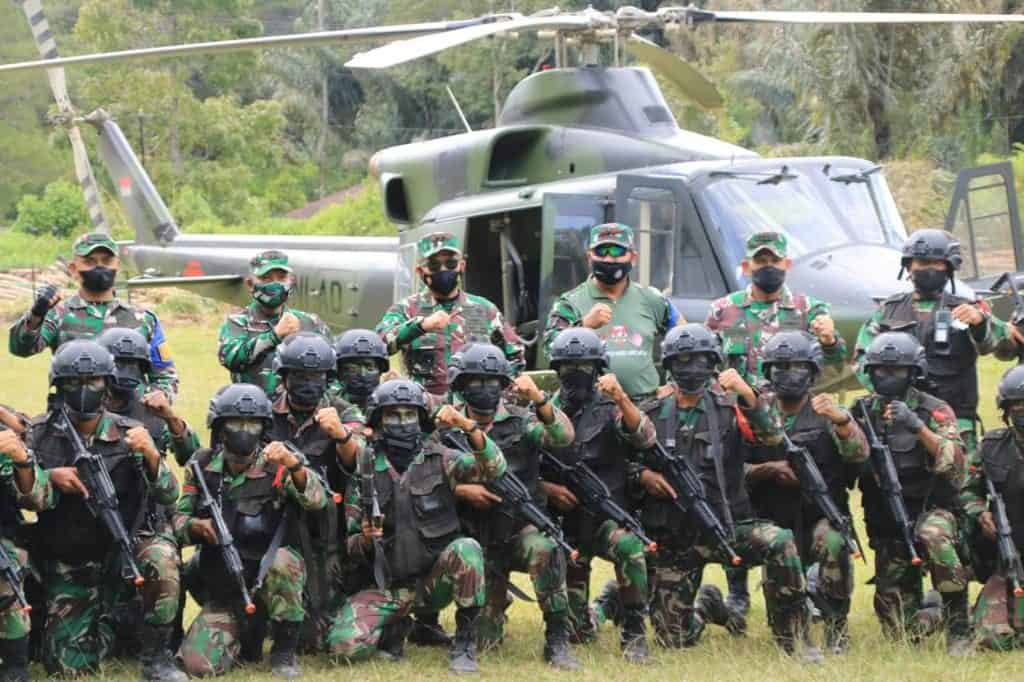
571, 266
404, 274
653, 215
982, 219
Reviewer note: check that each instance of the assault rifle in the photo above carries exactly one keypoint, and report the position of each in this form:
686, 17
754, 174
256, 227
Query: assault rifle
1009, 558
102, 500
889, 481
225, 541
371, 512
12, 575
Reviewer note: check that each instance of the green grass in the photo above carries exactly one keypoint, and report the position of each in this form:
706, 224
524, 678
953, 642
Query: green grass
718, 658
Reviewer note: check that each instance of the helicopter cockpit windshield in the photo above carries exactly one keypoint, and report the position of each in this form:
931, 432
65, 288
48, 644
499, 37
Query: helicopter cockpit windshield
819, 207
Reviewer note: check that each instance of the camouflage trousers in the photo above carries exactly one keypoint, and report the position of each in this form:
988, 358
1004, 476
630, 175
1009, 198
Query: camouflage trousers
323, 596
898, 590
835, 569
81, 599
626, 552
213, 643
529, 552
14, 623
457, 575
998, 617
675, 572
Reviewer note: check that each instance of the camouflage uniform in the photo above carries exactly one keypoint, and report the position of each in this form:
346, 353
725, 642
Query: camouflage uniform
638, 316
427, 356
457, 572
79, 566
594, 537
247, 339
214, 640
931, 488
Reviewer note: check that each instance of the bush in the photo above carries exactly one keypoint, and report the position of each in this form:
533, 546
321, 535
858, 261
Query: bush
60, 212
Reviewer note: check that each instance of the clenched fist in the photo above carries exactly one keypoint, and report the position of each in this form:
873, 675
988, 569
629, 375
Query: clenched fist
436, 321
599, 316
287, 325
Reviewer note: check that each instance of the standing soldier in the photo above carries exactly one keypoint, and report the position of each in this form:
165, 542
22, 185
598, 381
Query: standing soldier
792, 363
248, 338
362, 360
748, 318
260, 490
928, 456
423, 556
703, 421
479, 380
607, 426
52, 322
626, 315
427, 328
75, 548
128, 395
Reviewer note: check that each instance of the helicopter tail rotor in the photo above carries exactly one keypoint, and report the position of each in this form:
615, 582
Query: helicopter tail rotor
66, 115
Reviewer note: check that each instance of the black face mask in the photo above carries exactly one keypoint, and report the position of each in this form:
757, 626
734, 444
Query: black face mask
792, 384
306, 392
84, 403
769, 279
127, 379
483, 399
402, 442
99, 279
359, 385
1017, 422
240, 445
891, 387
929, 283
577, 389
610, 273
443, 282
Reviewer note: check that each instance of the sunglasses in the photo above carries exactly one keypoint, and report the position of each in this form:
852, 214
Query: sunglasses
439, 265
610, 251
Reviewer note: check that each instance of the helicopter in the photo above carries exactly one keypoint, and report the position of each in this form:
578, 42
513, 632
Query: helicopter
575, 145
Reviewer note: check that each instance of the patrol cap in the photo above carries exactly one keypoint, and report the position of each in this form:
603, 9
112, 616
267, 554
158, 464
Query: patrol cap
264, 262
770, 240
436, 242
88, 243
611, 233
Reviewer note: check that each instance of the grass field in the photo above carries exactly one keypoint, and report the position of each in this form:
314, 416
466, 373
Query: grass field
718, 658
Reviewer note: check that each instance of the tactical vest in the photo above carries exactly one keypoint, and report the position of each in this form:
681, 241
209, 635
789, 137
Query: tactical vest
922, 490
420, 517
695, 445
69, 532
118, 314
786, 506
598, 445
1004, 467
263, 374
952, 377
425, 356
156, 426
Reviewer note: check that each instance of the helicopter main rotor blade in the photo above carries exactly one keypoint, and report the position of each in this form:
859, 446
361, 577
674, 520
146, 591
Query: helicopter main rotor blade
415, 48
316, 39
83, 169
797, 17
689, 80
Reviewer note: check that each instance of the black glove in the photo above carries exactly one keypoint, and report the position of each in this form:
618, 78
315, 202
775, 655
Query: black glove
42, 304
904, 416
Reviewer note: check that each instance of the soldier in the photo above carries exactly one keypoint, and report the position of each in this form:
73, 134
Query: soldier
921, 432
260, 490
628, 316
748, 318
362, 360
51, 323
128, 396
427, 328
74, 548
479, 380
248, 338
953, 330
997, 618
424, 555
329, 434
792, 362
706, 421
607, 425
22, 483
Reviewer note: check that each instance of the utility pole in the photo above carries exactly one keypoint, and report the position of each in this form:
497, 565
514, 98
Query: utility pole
321, 152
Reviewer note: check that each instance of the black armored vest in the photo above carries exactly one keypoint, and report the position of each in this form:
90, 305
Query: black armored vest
1004, 467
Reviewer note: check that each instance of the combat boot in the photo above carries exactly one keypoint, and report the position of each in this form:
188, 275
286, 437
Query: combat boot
608, 605
392, 641
15, 660
427, 631
158, 665
283, 661
462, 656
837, 635
713, 608
556, 644
958, 627
738, 600
791, 629
633, 638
